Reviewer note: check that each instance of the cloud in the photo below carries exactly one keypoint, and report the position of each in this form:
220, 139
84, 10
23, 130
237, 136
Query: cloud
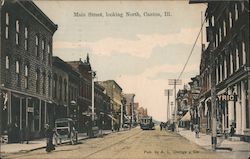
141, 46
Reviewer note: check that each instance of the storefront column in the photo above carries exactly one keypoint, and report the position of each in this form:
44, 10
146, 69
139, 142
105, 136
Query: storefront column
45, 112
9, 107
238, 111
231, 117
27, 114
21, 113
40, 114
243, 104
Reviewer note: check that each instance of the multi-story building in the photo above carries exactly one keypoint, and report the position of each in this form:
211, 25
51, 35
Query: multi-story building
84, 91
228, 41
60, 88
130, 107
114, 91
26, 66
102, 107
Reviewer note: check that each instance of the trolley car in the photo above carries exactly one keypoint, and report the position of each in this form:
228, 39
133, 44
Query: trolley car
146, 123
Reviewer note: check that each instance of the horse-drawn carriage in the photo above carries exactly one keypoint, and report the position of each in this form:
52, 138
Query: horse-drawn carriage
65, 130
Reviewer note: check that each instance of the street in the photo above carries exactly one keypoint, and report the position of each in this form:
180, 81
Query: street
134, 144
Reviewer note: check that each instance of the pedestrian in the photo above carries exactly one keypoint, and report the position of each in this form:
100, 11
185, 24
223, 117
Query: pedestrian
232, 131
196, 130
161, 125
49, 138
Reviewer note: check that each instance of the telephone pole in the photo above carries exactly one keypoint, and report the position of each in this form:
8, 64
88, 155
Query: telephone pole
168, 92
212, 72
175, 82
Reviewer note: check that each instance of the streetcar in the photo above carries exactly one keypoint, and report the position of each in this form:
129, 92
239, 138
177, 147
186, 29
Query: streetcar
147, 123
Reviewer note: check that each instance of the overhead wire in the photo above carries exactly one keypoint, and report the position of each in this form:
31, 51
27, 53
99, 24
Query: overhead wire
191, 52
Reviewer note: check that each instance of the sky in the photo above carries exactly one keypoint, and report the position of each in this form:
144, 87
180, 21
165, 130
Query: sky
139, 44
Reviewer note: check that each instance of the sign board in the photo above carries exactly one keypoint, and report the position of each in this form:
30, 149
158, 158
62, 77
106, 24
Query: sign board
224, 97
30, 109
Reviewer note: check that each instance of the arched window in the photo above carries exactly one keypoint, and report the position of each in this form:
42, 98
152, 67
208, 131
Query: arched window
65, 90
44, 83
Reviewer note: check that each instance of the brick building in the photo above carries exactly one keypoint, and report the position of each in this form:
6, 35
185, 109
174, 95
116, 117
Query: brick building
60, 88
26, 66
84, 91
228, 40
114, 91
102, 107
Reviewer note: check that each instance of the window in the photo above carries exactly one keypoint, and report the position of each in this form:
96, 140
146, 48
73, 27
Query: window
26, 38
49, 54
231, 63
7, 62
225, 68
236, 11
17, 31
237, 58
37, 46
221, 72
60, 88
49, 85
43, 50
230, 20
243, 53
18, 73
6, 25
55, 86
43, 84
65, 90
37, 78
224, 28
26, 75
212, 20
17, 67
220, 35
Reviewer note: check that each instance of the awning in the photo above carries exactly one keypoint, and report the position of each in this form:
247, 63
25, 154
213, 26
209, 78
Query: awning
186, 117
112, 117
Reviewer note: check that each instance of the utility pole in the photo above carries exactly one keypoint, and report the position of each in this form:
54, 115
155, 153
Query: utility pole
212, 72
93, 74
175, 82
168, 92
0, 75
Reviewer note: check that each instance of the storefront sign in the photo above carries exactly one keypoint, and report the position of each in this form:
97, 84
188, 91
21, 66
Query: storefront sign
30, 109
224, 97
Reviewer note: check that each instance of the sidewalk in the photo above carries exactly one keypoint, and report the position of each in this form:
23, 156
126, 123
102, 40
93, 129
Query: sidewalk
205, 141
38, 144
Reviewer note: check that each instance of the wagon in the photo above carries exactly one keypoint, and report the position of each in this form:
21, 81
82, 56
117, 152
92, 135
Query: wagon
65, 130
